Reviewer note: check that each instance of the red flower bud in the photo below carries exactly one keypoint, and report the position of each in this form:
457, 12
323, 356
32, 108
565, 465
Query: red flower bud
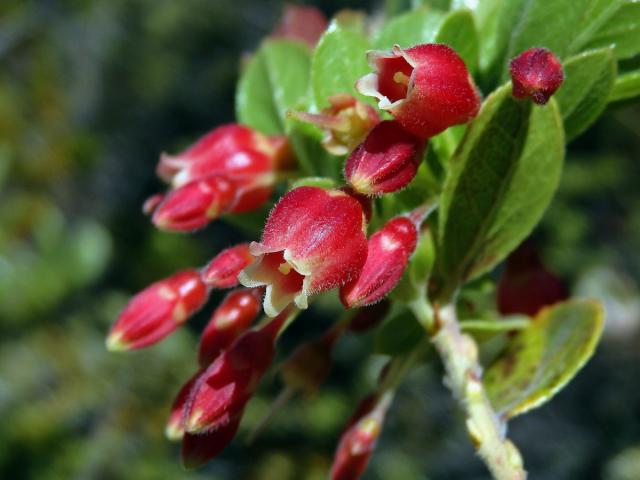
194, 205
174, 429
223, 270
151, 203
359, 439
199, 448
313, 241
222, 391
310, 364
157, 311
526, 286
303, 23
536, 73
427, 88
345, 123
386, 161
369, 317
232, 317
215, 147
389, 250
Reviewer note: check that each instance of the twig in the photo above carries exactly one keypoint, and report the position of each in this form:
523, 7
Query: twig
459, 353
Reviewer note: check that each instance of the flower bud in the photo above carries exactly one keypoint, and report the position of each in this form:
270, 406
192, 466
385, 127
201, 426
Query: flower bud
313, 241
223, 270
302, 23
359, 439
222, 391
386, 161
174, 429
151, 203
215, 147
345, 123
526, 286
157, 311
232, 318
427, 88
388, 254
194, 205
199, 448
309, 365
536, 73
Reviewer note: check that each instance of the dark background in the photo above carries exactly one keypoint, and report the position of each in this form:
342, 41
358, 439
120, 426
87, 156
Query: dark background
90, 93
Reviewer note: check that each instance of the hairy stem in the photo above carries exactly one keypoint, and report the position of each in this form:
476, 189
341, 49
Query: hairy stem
459, 354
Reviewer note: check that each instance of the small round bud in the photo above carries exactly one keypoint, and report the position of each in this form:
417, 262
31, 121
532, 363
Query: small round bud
536, 73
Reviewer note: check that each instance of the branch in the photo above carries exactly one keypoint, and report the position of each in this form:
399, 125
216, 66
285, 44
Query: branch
459, 354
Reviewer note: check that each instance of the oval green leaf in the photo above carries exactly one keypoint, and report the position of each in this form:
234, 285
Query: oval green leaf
540, 360
418, 26
458, 30
584, 94
621, 31
338, 62
275, 81
499, 183
626, 87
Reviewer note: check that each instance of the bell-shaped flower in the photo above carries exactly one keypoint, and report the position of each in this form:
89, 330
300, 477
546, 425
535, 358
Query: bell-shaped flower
427, 88
313, 241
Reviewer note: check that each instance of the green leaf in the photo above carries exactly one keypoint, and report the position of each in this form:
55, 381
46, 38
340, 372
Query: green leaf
585, 92
338, 61
399, 334
621, 30
419, 26
499, 183
458, 30
505, 324
540, 360
275, 81
626, 87
495, 20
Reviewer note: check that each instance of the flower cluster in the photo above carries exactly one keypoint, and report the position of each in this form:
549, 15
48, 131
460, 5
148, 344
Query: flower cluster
314, 240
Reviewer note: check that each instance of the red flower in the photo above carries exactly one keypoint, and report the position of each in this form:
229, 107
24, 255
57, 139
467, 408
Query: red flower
313, 241
232, 317
223, 270
386, 161
359, 439
536, 73
389, 250
214, 148
427, 88
345, 123
157, 311
194, 205
222, 391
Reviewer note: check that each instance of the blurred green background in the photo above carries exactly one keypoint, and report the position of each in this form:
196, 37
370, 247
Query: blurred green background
90, 92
